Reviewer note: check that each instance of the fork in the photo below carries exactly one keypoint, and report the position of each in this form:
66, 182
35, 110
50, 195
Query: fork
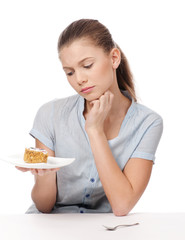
121, 225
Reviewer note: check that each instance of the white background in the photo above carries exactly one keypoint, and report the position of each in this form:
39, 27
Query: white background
150, 33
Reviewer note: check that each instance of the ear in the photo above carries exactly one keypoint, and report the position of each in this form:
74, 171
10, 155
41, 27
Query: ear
115, 57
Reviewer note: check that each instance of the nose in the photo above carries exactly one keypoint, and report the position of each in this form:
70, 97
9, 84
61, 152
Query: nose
80, 77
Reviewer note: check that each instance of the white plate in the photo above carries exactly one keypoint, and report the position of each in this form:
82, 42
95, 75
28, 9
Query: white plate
52, 162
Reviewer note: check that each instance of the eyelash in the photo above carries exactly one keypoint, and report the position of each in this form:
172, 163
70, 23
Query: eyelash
87, 67
69, 74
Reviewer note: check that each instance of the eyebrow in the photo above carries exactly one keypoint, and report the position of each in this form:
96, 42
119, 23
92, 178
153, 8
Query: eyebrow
79, 62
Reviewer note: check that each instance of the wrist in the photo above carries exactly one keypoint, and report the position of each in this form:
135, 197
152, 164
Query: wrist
95, 133
46, 178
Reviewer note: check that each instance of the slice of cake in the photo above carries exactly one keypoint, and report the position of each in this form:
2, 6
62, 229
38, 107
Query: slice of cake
35, 155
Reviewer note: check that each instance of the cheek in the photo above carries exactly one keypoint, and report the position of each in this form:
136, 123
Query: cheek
104, 71
107, 73
71, 82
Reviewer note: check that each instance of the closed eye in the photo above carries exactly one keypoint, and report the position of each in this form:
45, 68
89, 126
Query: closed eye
88, 66
69, 73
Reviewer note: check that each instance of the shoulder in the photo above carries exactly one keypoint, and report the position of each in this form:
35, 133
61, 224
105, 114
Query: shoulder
147, 115
58, 107
68, 102
141, 113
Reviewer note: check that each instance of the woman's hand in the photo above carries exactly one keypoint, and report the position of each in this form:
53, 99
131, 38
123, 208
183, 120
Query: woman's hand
98, 113
39, 172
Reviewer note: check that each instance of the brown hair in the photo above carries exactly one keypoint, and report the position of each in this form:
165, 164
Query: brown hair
101, 37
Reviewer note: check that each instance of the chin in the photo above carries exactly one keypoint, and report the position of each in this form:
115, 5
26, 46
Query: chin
91, 97
94, 95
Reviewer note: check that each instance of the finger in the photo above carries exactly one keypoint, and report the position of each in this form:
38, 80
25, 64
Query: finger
111, 98
22, 169
34, 171
96, 104
107, 93
103, 102
41, 172
55, 169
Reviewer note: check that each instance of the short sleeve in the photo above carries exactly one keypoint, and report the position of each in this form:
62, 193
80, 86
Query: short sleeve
43, 126
148, 144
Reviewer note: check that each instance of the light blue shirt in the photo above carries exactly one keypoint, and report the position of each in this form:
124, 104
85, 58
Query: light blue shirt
60, 125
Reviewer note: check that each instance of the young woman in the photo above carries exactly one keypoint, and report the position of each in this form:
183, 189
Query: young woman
112, 137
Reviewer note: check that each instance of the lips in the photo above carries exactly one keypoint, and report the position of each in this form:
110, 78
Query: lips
87, 89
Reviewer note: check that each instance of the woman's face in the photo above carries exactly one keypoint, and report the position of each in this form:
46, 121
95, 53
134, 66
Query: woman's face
88, 68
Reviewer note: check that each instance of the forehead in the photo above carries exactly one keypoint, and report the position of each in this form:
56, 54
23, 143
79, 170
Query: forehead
79, 49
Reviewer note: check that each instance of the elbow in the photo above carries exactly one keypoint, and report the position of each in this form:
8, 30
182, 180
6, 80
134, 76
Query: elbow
42, 205
121, 209
44, 209
120, 212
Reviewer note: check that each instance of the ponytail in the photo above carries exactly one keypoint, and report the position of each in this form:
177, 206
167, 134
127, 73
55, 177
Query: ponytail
124, 76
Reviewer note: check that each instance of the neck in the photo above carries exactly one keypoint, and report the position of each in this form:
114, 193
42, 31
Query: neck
120, 105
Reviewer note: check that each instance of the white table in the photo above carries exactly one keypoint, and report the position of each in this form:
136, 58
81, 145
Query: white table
158, 226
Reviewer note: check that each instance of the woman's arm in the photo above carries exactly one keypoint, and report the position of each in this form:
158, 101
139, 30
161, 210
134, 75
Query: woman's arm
122, 188
45, 188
